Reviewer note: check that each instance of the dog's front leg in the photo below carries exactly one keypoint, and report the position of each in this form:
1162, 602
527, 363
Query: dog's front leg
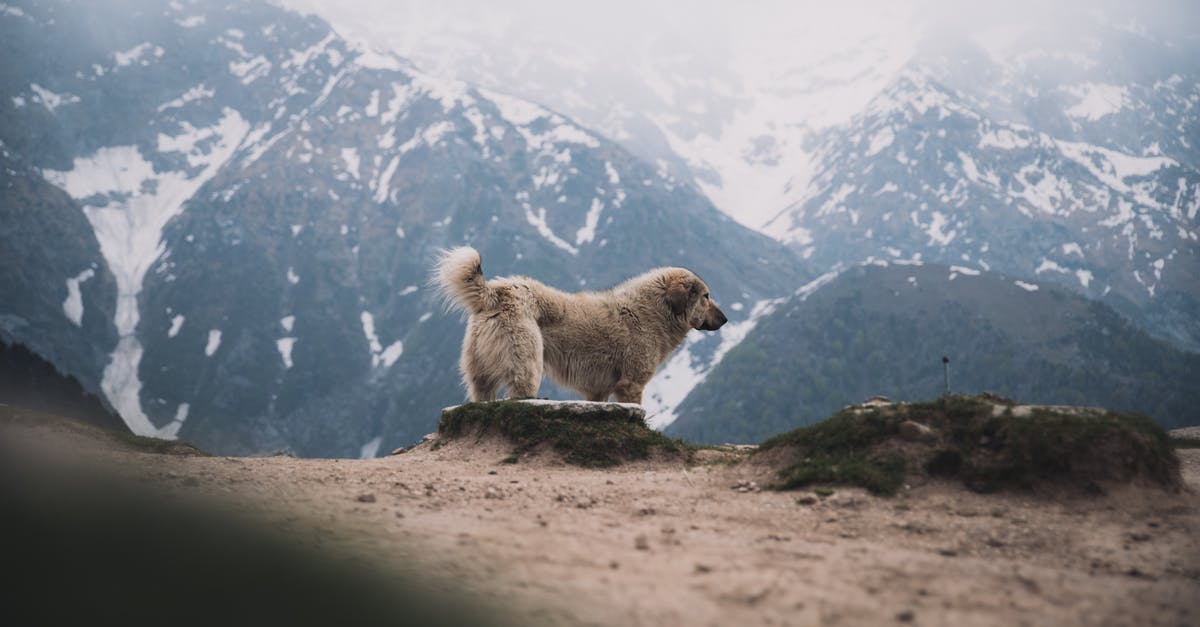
629, 391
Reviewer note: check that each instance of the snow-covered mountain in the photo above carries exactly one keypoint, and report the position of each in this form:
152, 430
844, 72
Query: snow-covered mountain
925, 173
1077, 124
730, 96
222, 218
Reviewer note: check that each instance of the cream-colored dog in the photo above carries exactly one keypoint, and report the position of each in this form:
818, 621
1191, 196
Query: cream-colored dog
600, 344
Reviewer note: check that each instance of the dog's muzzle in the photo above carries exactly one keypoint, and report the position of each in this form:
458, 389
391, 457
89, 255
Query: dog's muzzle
714, 319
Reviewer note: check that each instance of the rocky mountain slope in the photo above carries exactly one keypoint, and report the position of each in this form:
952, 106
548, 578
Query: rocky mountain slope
247, 207
30, 382
883, 329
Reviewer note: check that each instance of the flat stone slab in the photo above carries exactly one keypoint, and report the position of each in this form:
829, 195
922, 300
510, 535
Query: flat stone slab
575, 407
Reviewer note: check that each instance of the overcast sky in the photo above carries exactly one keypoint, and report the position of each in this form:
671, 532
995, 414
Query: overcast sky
600, 26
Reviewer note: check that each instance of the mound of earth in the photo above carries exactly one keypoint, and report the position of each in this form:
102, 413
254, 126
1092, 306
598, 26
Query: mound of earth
987, 442
581, 433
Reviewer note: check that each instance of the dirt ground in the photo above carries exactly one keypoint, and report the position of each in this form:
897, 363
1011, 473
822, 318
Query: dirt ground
668, 544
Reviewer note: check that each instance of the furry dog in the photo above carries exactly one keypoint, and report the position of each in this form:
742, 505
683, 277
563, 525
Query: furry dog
600, 344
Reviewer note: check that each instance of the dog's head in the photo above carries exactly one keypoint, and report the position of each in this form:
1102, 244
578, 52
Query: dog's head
688, 298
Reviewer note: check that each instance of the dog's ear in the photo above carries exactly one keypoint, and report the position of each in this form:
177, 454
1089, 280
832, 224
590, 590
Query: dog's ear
679, 292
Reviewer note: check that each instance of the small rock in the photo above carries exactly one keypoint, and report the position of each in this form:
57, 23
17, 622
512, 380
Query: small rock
906, 616
641, 543
1134, 572
916, 432
947, 552
399, 514
806, 500
703, 568
366, 498
647, 511
746, 486
1136, 537
492, 493
399, 451
493, 472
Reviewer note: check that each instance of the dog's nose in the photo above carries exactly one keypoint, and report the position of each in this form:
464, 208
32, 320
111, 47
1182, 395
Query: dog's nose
714, 319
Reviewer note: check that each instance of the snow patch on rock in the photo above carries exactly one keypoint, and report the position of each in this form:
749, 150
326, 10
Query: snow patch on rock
73, 305
284, 346
138, 201
214, 342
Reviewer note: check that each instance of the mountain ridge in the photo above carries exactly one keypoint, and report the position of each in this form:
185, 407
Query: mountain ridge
882, 328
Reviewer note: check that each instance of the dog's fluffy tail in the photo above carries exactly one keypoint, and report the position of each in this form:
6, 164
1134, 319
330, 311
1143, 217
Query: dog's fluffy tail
459, 276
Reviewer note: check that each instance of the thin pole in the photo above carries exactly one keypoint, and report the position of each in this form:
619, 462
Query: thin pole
946, 374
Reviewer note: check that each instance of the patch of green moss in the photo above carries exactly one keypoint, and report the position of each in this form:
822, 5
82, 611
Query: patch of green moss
595, 436
845, 431
840, 450
880, 475
944, 463
157, 445
1185, 442
988, 449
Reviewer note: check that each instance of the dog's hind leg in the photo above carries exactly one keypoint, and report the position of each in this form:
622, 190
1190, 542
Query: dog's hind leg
482, 388
525, 360
480, 379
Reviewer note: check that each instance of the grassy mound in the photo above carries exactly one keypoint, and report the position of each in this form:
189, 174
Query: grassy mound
593, 435
986, 442
21, 415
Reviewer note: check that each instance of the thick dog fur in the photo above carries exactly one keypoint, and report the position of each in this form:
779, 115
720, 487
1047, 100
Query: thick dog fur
600, 344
